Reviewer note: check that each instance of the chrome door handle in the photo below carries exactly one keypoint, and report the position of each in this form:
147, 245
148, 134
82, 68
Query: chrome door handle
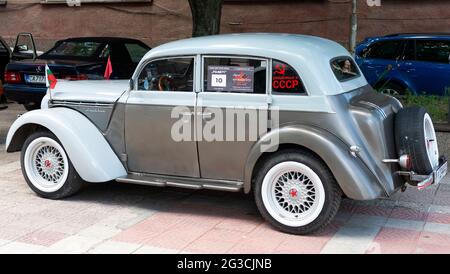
187, 113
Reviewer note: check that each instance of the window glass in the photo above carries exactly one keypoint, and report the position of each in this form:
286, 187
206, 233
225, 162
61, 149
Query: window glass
75, 48
285, 80
2, 48
384, 50
344, 68
238, 75
106, 51
433, 51
136, 52
175, 74
409, 52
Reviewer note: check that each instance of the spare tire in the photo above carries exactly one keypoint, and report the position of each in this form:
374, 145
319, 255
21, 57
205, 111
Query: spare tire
415, 136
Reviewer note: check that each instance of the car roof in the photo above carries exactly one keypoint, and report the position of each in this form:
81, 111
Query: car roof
103, 39
309, 55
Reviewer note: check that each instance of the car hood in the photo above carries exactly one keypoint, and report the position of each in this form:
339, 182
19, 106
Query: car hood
102, 91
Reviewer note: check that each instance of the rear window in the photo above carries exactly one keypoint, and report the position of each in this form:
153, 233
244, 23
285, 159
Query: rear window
136, 52
75, 48
344, 68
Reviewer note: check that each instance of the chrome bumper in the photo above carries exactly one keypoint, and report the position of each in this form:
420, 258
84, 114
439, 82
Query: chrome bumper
423, 181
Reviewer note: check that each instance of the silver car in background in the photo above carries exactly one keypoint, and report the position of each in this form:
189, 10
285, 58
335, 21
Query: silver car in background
287, 117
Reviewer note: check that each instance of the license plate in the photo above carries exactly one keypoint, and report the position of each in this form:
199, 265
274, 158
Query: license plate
35, 79
440, 173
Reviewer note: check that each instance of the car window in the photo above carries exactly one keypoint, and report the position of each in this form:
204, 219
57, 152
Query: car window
2, 47
285, 80
436, 51
136, 51
344, 68
174, 74
384, 50
235, 74
409, 52
75, 48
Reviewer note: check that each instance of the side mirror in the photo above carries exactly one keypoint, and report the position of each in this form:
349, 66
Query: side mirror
131, 84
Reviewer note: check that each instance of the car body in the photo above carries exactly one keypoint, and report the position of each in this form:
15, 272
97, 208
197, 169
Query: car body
5, 56
321, 130
418, 63
73, 59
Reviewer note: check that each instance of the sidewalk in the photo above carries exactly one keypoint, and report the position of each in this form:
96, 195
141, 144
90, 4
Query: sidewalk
7, 117
122, 218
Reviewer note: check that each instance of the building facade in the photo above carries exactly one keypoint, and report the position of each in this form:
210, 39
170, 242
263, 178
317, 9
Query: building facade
159, 21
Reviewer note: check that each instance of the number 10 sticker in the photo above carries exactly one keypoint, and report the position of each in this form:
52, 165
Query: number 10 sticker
218, 80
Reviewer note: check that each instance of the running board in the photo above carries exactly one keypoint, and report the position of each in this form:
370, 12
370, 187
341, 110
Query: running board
182, 182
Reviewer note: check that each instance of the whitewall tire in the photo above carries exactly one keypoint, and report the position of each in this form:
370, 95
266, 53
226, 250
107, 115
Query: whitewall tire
47, 167
296, 192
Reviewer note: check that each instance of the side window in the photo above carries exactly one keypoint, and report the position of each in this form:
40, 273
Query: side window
344, 68
174, 74
136, 52
234, 74
384, 50
433, 51
285, 80
410, 51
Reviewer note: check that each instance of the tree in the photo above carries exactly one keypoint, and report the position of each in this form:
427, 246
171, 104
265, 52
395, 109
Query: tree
206, 16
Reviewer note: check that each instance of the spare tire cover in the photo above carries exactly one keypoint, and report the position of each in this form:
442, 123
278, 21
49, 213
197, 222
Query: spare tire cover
415, 136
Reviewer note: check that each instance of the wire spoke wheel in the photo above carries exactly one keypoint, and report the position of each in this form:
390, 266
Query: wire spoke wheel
46, 164
293, 194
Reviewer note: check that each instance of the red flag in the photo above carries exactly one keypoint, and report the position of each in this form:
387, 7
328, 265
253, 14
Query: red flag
108, 70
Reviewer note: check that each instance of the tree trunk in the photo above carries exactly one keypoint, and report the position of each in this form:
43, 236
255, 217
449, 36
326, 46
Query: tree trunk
353, 28
206, 16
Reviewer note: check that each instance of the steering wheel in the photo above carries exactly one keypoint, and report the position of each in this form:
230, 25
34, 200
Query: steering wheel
164, 83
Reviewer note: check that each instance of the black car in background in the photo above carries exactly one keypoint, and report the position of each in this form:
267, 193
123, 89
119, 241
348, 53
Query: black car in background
72, 59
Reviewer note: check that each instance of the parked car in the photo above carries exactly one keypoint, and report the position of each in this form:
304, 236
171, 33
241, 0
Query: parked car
322, 131
72, 59
23, 49
397, 63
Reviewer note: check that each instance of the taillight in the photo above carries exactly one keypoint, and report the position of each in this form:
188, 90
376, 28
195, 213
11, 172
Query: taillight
74, 77
12, 77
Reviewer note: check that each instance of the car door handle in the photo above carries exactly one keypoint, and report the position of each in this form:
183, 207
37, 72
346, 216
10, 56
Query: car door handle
206, 115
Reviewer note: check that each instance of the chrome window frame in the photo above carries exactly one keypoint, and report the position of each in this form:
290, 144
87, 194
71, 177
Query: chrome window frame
202, 72
146, 62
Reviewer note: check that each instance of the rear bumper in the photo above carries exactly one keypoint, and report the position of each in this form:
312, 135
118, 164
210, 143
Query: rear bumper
24, 94
423, 181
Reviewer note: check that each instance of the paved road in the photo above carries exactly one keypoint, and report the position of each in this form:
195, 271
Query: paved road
120, 218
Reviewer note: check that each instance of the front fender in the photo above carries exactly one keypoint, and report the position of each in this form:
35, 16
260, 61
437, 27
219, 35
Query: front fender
352, 175
89, 152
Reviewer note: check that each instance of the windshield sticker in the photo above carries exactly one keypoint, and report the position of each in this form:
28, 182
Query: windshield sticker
230, 78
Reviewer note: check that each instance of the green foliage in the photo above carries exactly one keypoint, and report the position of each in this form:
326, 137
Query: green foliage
436, 106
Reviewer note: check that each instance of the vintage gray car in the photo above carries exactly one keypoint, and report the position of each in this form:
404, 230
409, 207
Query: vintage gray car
287, 117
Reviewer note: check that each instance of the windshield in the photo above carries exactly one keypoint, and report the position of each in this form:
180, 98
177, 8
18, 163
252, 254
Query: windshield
75, 48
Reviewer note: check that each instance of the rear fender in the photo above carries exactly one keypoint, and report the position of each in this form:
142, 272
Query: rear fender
89, 152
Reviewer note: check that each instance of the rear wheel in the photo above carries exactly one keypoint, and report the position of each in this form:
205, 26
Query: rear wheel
392, 89
415, 136
47, 168
296, 192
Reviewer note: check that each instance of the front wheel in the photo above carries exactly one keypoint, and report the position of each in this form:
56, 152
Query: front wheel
47, 168
296, 192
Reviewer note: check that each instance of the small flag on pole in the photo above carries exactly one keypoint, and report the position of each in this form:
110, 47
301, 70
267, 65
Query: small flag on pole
108, 70
50, 78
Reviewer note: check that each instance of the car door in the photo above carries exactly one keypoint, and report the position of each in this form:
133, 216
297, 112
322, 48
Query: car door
163, 87
231, 113
25, 48
427, 63
379, 61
